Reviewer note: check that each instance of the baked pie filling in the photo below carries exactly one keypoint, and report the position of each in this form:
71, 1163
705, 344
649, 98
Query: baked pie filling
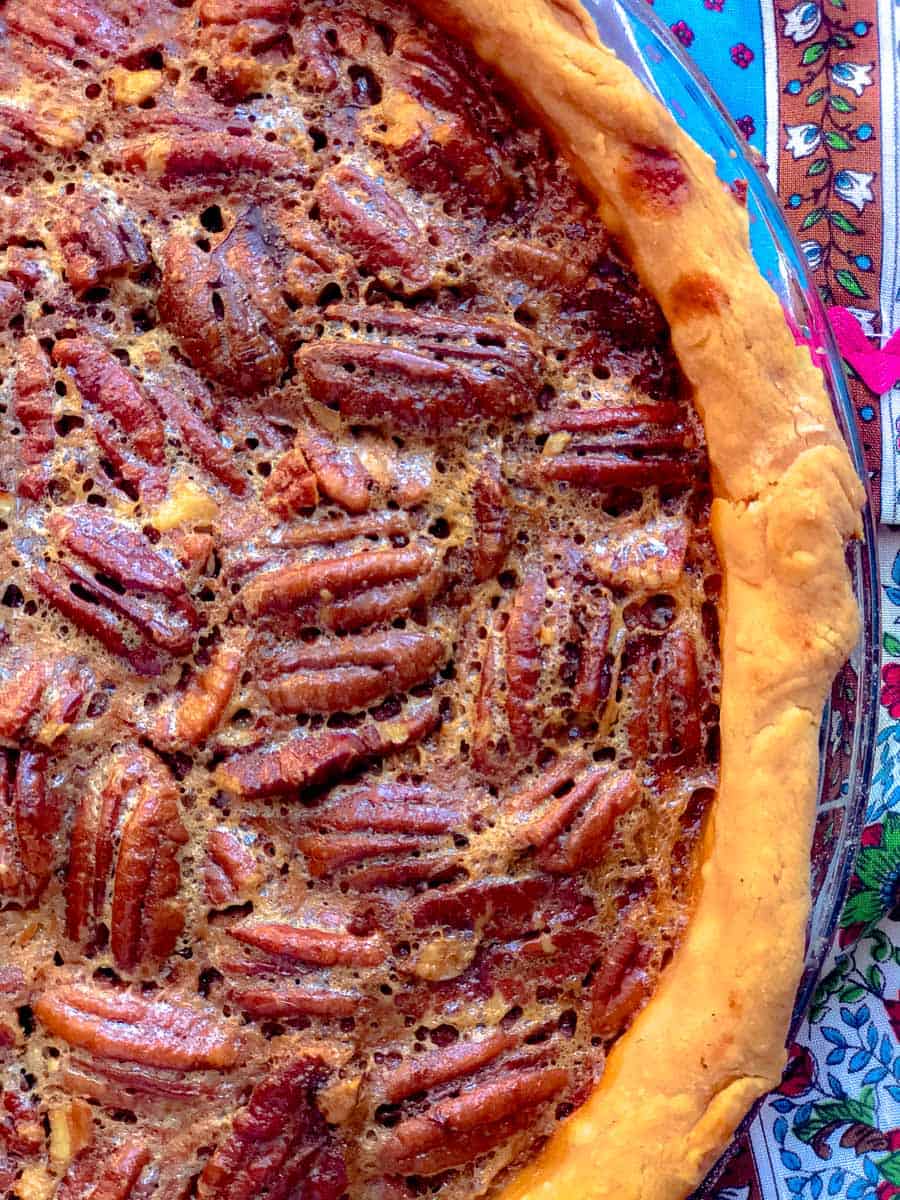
358, 642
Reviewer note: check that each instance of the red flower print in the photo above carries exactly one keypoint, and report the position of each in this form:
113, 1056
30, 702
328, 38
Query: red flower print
747, 126
892, 1008
683, 32
798, 1073
714, 5
741, 55
890, 693
872, 835
886, 1190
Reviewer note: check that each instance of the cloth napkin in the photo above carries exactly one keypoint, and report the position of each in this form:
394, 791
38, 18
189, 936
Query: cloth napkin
813, 86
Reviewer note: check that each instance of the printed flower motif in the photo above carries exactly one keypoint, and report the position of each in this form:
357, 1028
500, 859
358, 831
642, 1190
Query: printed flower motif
798, 1073
741, 55
836, 733
854, 187
855, 76
877, 870
683, 32
866, 318
887, 1190
746, 125
803, 140
714, 5
813, 251
892, 1008
802, 21
890, 692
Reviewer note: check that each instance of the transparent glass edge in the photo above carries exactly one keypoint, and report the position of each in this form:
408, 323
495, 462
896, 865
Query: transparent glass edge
625, 25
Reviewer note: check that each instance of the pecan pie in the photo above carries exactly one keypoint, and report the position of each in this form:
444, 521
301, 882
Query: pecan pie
423, 567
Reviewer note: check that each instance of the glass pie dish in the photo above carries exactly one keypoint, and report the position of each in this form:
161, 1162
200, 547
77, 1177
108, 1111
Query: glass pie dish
639, 38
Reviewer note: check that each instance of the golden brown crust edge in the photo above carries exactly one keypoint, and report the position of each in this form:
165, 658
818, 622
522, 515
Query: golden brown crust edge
787, 499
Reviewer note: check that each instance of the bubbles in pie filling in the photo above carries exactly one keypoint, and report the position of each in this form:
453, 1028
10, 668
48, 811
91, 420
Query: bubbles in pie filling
359, 670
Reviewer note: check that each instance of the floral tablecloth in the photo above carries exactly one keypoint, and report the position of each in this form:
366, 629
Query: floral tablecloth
814, 87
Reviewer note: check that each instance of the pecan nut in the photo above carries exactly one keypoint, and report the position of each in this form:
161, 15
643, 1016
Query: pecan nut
340, 675
375, 227
445, 371
29, 818
98, 245
123, 1027
226, 308
307, 761
279, 1142
129, 833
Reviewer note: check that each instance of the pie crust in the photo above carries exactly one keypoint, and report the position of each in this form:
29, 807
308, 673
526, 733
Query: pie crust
711, 1039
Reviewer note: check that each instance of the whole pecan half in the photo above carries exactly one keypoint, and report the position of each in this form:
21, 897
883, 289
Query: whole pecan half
444, 147
226, 308
433, 373
442, 1136
620, 985
663, 678
33, 401
375, 227
344, 674
491, 504
346, 592
279, 1143
114, 580
129, 1028
69, 27
304, 761
112, 390
317, 947
29, 818
642, 446
573, 829
128, 834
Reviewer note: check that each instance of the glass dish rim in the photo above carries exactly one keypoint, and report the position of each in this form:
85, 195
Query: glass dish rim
803, 294
766, 200
633, 15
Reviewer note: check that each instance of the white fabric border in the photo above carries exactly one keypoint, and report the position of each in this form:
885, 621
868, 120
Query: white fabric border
889, 68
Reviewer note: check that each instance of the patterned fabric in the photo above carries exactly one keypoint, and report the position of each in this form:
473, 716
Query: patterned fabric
814, 87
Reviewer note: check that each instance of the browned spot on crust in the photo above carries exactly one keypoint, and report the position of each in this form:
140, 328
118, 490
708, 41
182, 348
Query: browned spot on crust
654, 179
696, 295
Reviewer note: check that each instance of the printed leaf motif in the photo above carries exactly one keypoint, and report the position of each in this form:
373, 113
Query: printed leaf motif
890, 1168
875, 976
815, 96
891, 644
837, 141
841, 222
850, 283
885, 791
839, 104
818, 167
812, 218
838, 1112
812, 53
